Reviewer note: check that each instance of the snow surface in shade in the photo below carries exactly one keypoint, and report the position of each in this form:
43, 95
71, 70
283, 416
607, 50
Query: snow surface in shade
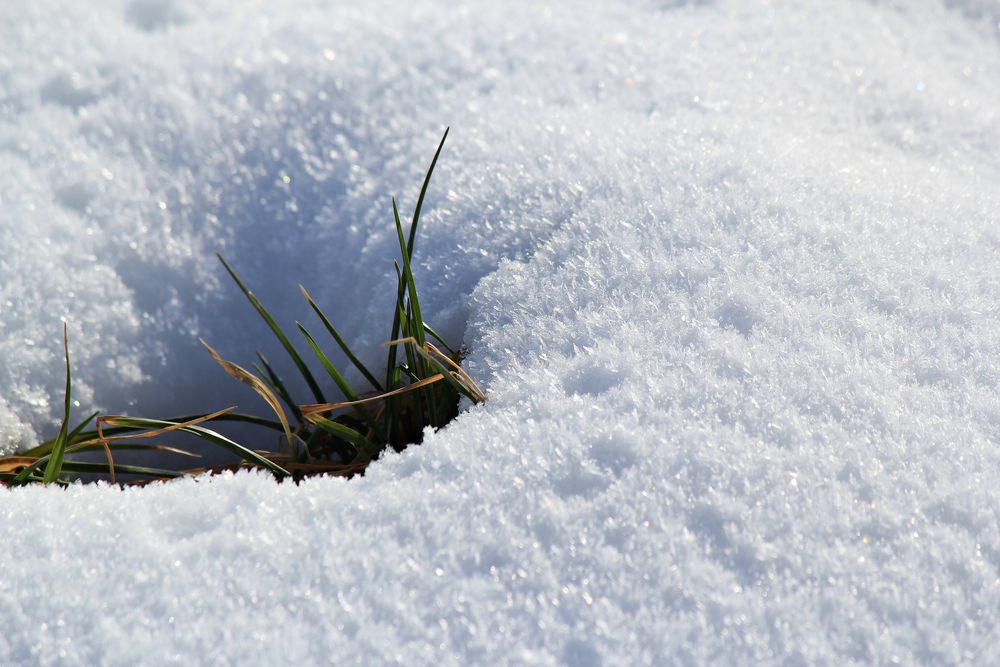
729, 273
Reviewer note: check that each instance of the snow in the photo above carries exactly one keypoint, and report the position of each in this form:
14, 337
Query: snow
728, 272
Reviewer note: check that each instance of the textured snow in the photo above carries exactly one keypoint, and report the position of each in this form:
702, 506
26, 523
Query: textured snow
728, 272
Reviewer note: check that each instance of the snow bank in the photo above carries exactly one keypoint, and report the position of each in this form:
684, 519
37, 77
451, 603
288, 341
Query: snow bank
728, 272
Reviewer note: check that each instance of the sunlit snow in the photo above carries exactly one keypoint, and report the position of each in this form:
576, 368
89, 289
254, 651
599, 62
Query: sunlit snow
728, 271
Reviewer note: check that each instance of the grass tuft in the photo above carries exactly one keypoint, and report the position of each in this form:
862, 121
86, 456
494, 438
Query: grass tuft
342, 438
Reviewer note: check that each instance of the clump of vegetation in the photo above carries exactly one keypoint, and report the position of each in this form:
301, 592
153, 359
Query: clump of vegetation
422, 387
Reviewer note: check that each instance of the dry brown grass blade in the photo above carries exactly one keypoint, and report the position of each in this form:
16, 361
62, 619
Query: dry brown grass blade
255, 383
400, 341
113, 421
107, 451
314, 408
15, 463
458, 371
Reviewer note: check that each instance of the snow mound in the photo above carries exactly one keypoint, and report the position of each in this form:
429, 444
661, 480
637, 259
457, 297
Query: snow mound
728, 272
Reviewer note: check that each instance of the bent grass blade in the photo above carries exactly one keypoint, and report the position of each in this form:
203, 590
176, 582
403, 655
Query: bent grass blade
255, 383
316, 408
274, 381
279, 334
206, 434
460, 380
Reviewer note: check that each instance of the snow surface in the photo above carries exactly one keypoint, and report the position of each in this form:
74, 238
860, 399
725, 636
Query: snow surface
728, 271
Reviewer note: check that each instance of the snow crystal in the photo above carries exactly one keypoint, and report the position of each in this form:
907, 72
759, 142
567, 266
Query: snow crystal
728, 272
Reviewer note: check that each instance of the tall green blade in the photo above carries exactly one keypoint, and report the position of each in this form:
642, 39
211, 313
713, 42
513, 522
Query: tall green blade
348, 392
416, 321
54, 466
415, 370
412, 369
439, 339
75, 434
411, 288
340, 341
423, 192
282, 338
413, 234
391, 363
331, 370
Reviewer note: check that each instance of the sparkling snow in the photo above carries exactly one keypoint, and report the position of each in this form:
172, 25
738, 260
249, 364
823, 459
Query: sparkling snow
728, 271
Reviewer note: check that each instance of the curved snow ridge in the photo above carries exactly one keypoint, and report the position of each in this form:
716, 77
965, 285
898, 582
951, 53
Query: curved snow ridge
728, 273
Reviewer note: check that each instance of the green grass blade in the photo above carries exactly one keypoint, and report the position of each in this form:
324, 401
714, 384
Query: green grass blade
12, 479
235, 417
282, 338
415, 322
439, 339
405, 370
340, 341
131, 446
412, 368
267, 373
423, 192
367, 450
91, 467
444, 370
392, 404
409, 251
76, 435
138, 424
44, 449
411, 288
331, 370
396, 321
348, 392
28, 473
54, 465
